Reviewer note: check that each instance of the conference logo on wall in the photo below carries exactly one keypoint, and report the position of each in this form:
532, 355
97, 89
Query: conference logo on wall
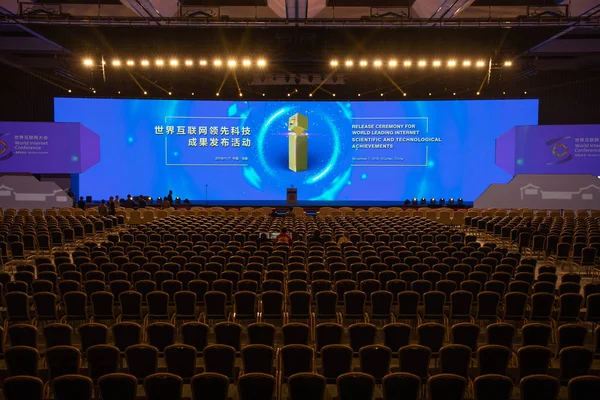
560, 151
5, 152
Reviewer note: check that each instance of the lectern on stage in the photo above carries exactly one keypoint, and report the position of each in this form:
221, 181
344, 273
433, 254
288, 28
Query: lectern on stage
292, 195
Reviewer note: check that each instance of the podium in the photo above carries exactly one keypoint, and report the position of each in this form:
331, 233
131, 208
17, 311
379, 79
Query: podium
292, 196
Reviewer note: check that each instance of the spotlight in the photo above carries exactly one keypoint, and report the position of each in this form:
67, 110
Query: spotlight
404, 94
246, 62
192, 93
145, 63
203, 63
289, 94
241, 94
349, 63
177, 200
480, 64
130, 63
310, 95
150, 199
508, 63
159, 199
422, 63
406, 202
407, 63
174, 63
170, 93
432, 201
119, 92
363, 63
69, 90
466, 63
116, 63
477, 93
217, 94
525, 92
333, 94
231, 63
415, 201
381, 95
145, 93
423, 201
261, 62
452, 63
393, 63
93, 91
460, 201
437, 63
451, 201
189, 63
333, 63
454, 94
160, 63
88, 62
442, 201
263, 95
377, 63
430, 94
217, 63
186, 202
503, 93
359, 95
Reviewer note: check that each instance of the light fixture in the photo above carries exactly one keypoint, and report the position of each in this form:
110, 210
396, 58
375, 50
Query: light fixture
404, 94
203, 63
145, 63
454, 94
422, 63
349, 63
261, 62
381, 94
93, 91
430, 94
289, 94
88, 62
69, 90
525, 92
437, 63
130, 63
359, 95
231, 63
477, 93
393, 63
377, 63
407, 63
170, 93
145, 93
217, 94
466, 63
363, 63
480, 64
246, 62
333, 95
116, 63
310, 95
103, 62
189, 63
503, 92
241, 94
508, 63
263, 95
119, 92
333, 63
174, 63
160, 62
217, 63
451, 63
192, 93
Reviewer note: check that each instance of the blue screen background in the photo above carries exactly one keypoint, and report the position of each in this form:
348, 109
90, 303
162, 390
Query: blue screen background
135, 160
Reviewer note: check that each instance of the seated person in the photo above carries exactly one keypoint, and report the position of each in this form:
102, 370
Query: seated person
263, 239
284, 236
344, 239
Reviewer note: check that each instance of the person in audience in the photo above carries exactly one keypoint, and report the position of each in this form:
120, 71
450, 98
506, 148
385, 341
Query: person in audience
170, 196
81, 203
142, 202
102, 209
316, 237
263, 239
284, 236
129, 203
112, 206
116, 201
344, 239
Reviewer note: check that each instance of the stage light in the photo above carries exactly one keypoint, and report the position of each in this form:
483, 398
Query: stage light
363, 63
406, 202
525, 92
145, 93
381, 94
451, 201
477, 93
130, 63
246, 63
160, 63
217, 63
437, 63
116, 63
159, 199
422, 63
359, 95
69, 90
377, 63
442, 201
452, 63
480, 64
189, 63
466, 63
203, 63
261, 62
170, 93
503, 93
404, 94
93, 91
460, 201
407, 63
349, 63
241, 94
192, 93
430, 94
333, 94
289, 94
333, 63
231, 63
423, 201
508, 63
432, 201
264, 95
177, 200
310, 95
88, 62
454, 94
393, 63
145, 63
415, 201
174, 63
119, 92
217, 94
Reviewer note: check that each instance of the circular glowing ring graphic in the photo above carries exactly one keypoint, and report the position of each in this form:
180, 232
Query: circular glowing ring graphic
560, 150
3, 147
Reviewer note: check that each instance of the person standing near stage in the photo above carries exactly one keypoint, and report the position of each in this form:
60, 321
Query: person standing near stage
81, 203
142, 202
170, 197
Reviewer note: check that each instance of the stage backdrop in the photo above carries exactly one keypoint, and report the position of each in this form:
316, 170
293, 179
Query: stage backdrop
339, 151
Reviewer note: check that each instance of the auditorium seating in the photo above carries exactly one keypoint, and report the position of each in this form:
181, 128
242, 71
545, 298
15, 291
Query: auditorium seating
190, 306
